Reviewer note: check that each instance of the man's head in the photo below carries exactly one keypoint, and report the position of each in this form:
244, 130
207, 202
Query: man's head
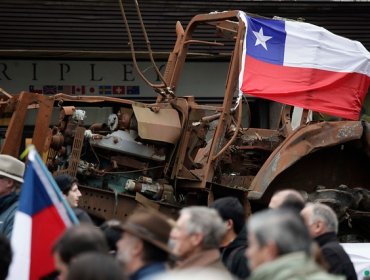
288, 198
144, 240
198, 228
231, 211
95, 266
273, 233
75, 241
11, 174
68, 186
112, 231
319, 219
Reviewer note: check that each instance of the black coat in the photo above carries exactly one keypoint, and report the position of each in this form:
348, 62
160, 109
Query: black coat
82, 216
233, 256
334, 254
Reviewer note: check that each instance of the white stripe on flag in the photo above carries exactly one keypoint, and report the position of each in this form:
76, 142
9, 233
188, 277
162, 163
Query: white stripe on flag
50, 190
311, 46
243, 17
21, 246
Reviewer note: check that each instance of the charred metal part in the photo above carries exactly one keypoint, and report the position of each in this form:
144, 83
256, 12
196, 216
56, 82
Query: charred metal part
7, 95
148, 46
57, 142
154, 190
160, 87
130, 162
160, 125
123, 142
303, 141
99, 128
352, 206
104, 205
15, 128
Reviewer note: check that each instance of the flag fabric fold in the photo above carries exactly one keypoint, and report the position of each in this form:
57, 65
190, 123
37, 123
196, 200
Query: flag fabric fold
42, 216
300, 64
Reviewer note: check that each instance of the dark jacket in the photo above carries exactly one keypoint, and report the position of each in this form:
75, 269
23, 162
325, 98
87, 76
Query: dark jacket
82, 216
233, 256
8, 207
149, 271
334, 254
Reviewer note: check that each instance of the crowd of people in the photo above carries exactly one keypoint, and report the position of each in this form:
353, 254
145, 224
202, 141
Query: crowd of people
292, 239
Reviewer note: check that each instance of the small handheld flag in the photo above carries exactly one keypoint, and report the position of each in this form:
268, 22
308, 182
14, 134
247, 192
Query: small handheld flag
42, 216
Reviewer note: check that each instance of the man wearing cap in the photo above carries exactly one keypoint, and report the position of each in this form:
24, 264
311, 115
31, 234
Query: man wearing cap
11, 176
142, 248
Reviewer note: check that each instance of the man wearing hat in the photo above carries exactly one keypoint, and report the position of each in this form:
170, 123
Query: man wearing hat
11, 177
142, 248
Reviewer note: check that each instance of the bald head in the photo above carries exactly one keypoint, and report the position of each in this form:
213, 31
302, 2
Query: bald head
288, 198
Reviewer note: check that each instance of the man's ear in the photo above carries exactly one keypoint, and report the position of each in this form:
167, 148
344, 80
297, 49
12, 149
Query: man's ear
272, 251
229, 224
138, 247
196, 239
320, 227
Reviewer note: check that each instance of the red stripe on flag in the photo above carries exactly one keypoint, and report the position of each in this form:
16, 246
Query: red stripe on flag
47, 226
334, 93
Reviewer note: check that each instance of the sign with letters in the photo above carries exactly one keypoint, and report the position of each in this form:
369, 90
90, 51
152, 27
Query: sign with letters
107, 78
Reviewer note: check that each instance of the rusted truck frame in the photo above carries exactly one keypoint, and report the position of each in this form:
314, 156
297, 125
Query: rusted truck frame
205, 153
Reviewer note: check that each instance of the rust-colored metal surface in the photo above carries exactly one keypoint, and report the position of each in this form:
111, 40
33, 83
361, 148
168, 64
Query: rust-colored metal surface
14, 132
161, 125
104, 205
307, 139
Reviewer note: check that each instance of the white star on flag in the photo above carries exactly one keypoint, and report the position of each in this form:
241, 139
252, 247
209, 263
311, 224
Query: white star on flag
261, 39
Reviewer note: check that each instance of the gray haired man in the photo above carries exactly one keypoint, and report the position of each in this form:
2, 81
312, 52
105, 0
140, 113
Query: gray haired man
11, 176
322, 223
196, 237
280, 247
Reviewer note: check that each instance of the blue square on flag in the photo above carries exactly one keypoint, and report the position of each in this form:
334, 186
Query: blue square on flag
133, 90
266, 40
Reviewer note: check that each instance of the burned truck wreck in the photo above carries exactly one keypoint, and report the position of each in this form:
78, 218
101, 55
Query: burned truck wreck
177, 152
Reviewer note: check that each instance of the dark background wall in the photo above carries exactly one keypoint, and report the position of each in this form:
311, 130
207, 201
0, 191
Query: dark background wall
94, 28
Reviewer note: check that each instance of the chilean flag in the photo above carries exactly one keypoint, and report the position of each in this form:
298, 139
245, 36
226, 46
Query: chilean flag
41, 218
304, 65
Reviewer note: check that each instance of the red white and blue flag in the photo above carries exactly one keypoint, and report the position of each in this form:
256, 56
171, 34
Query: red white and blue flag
42, 216
304, 65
